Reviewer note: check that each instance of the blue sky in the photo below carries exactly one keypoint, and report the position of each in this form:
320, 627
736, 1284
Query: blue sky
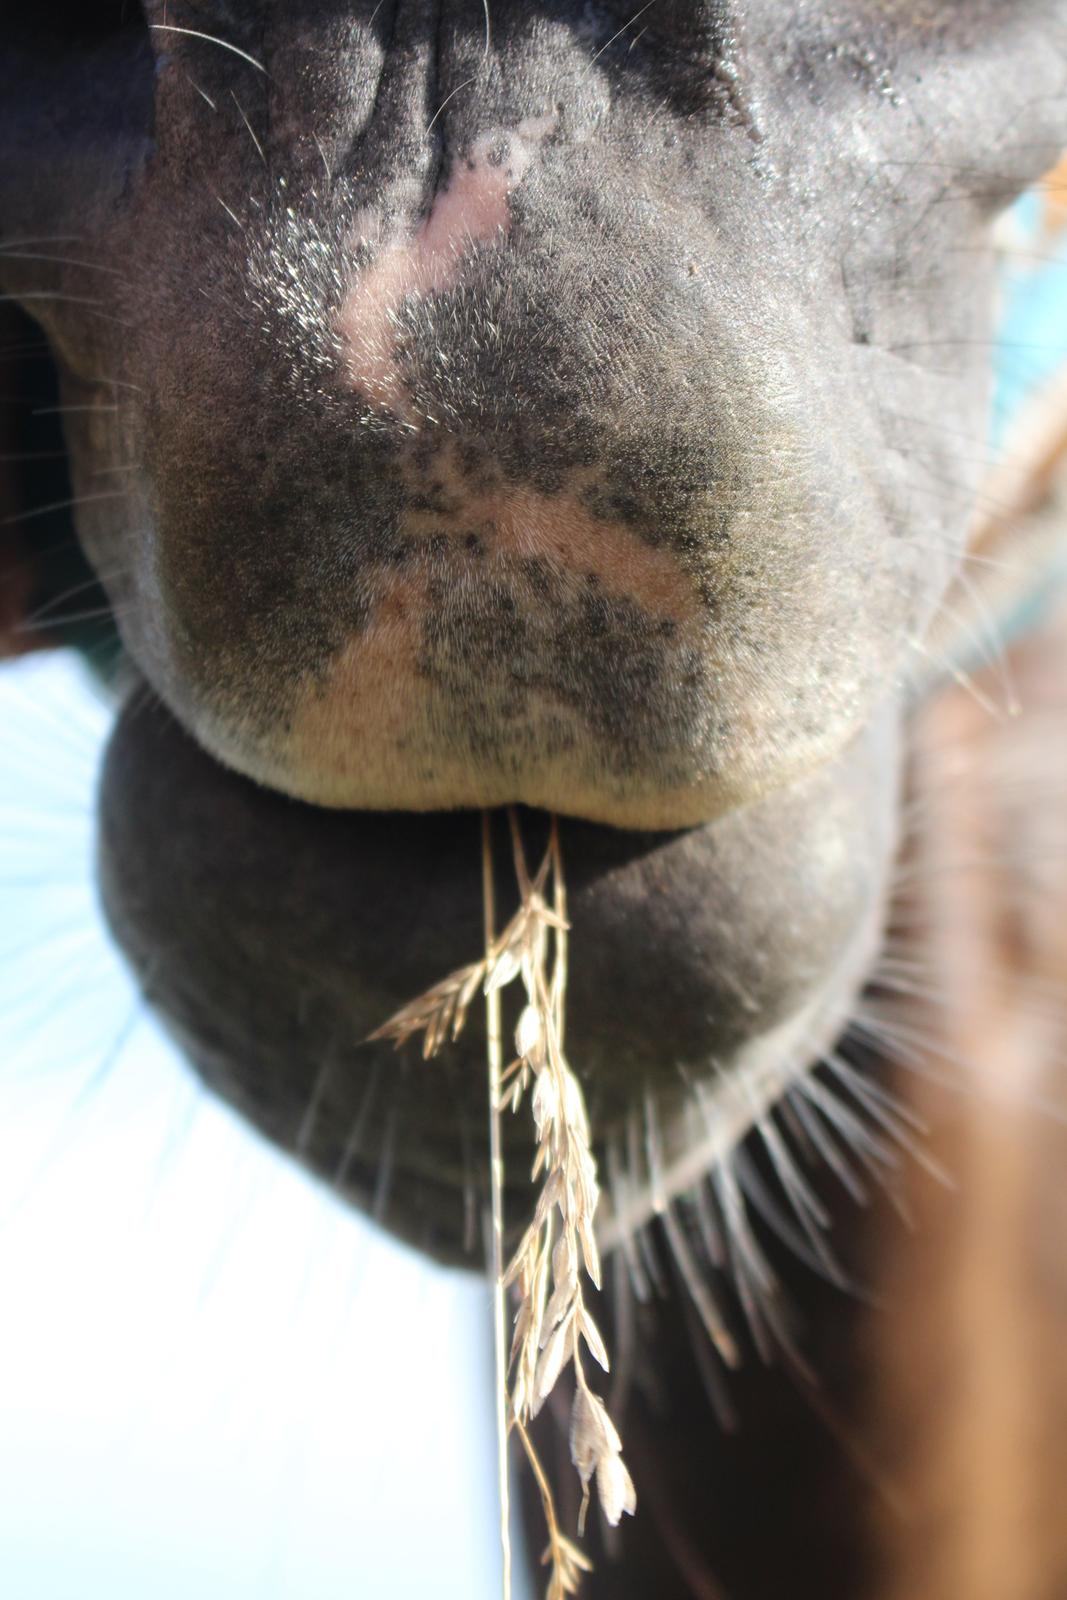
215, 1382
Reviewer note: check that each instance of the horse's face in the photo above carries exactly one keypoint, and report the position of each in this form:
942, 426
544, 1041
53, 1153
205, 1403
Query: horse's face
576, 409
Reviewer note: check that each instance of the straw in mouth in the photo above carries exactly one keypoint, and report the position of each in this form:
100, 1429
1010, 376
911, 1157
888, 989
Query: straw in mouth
552, 1321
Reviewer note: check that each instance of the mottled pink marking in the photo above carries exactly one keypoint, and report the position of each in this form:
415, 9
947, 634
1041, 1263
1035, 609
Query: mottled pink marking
472, 209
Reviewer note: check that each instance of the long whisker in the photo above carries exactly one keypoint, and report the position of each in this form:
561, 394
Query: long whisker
210, 38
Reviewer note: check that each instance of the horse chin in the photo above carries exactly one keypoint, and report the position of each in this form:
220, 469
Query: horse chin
708, 967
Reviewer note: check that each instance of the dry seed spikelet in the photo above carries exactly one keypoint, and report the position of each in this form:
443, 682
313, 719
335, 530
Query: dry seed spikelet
552, 1322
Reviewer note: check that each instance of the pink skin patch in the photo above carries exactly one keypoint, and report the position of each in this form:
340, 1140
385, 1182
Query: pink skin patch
471, 210
515, 520
374, 732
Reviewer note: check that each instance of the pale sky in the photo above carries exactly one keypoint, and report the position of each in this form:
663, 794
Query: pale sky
215, 1382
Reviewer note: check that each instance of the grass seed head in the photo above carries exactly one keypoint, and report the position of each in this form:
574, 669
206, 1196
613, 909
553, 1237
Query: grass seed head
552, 1323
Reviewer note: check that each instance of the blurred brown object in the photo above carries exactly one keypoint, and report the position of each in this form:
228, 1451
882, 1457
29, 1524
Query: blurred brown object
970, 1360
1056, 196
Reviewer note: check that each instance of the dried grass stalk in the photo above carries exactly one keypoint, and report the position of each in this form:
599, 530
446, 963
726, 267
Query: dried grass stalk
553, 1326
494, 1037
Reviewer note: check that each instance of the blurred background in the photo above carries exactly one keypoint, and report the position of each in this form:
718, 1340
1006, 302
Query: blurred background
215, 1380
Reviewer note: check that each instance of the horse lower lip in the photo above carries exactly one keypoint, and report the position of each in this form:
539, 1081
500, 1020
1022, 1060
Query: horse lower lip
683, 942
274, 936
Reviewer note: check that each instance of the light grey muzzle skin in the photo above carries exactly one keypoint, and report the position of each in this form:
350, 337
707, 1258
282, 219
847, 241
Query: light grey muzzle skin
586, 416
